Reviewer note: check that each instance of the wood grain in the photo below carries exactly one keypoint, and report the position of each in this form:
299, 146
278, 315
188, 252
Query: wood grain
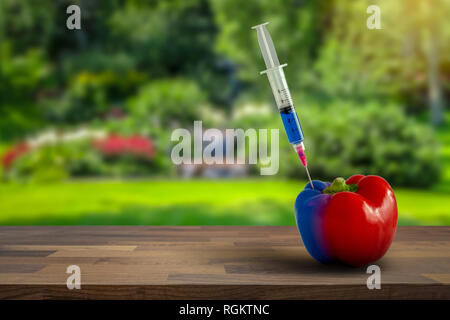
210, 262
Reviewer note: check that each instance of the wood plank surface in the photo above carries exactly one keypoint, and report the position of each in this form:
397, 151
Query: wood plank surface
210, 262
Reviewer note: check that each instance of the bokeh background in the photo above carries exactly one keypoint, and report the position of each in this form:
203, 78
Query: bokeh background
86, 115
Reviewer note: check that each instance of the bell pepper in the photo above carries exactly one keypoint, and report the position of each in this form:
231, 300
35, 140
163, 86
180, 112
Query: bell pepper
352, 221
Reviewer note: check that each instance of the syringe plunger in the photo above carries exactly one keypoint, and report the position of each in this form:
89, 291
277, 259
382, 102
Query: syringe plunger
266, 45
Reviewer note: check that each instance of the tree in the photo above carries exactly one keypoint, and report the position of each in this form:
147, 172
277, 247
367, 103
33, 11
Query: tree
402, 62
297, 28
435, 15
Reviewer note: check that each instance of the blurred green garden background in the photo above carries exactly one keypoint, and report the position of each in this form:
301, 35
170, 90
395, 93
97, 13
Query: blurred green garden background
86, 115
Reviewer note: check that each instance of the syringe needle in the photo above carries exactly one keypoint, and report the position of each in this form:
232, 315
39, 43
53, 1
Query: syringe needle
309, 177
300, 149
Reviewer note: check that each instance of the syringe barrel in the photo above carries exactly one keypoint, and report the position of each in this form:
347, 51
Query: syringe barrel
292, 125
285, 105
279, 86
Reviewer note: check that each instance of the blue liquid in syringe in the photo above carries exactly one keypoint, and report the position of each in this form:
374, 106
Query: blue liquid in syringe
291, 125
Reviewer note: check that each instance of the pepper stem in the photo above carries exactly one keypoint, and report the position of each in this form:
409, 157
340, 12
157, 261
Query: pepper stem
339, 185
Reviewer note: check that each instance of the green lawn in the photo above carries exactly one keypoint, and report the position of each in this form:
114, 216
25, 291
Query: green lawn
199, 202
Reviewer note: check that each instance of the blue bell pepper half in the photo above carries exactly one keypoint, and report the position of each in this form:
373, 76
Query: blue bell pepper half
310, 206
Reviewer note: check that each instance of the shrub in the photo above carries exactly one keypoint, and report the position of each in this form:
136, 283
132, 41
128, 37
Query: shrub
343, 139
13, 153
91, 96
115, 145
21, 77
49, 163
166, 104
83, 153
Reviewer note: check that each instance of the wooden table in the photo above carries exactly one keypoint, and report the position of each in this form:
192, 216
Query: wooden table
210, 263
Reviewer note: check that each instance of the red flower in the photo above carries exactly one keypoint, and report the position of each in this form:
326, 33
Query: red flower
12, 154
117, 145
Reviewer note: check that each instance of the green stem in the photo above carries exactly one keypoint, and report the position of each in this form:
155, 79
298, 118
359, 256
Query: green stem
339, 185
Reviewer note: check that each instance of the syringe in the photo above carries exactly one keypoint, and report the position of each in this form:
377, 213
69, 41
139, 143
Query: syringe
282, 95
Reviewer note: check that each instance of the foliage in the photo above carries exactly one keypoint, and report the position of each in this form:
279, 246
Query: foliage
168, 37
393, 62
111, 156
167, 103
91, 96
13, 154
115, 145
46, 164
120, 44
253, 115
146, 67
24, 20
21, 77
298, 28
332, 54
